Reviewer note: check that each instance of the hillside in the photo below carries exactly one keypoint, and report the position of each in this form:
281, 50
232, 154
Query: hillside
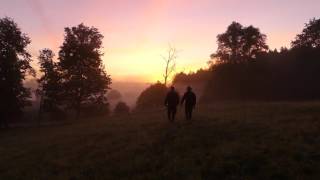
225, 141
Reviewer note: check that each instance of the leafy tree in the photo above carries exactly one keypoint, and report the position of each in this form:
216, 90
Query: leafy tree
49, 83
310, 36
121, 108
85, 81
239, 44
275, 75
14, 67
152, 97
192, 78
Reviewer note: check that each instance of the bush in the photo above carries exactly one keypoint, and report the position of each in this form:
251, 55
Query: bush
152, 97
121, 108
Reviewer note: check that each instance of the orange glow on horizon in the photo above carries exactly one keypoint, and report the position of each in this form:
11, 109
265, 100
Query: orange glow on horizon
137, 32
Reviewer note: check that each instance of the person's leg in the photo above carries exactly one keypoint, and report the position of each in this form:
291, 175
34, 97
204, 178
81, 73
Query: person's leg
174, 111
169, 113
190, 113
186, 112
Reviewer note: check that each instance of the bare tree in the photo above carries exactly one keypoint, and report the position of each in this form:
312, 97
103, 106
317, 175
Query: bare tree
170, 63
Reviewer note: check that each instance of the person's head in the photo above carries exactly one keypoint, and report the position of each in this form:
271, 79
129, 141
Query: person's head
172, 88
189, 88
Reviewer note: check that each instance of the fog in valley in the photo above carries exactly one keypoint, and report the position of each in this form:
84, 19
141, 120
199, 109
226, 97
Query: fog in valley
129, 92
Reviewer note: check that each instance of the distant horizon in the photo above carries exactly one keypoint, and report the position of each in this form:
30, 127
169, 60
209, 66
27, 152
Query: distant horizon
137, 32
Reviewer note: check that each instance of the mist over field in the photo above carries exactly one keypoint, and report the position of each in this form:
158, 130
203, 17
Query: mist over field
129, 92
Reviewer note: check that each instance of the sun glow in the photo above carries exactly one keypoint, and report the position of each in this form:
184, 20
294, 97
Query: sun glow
145, 64
137, 33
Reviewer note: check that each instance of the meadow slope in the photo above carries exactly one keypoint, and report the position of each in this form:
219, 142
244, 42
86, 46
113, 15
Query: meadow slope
225, 141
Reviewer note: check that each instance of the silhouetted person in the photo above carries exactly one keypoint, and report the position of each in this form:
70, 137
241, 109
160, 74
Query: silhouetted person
190, 100
171, 102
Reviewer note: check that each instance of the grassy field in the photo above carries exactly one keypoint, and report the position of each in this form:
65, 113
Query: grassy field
225, 141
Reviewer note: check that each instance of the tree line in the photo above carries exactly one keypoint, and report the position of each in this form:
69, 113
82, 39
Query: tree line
244, 68
77, 81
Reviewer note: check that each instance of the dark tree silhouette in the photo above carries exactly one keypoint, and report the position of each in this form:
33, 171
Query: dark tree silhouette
290, 74
152, 97
14, 67
310, 36
49, 83
191, 78
85, 81
239, 44
287, 74
121, 109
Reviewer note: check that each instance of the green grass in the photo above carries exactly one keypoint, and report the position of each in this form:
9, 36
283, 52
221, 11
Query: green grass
225, 141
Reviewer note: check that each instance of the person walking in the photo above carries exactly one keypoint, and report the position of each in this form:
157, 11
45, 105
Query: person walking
171, 102
190, 100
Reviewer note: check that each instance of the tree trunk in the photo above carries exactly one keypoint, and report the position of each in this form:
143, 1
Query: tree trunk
166, 73
40, 111
165, 81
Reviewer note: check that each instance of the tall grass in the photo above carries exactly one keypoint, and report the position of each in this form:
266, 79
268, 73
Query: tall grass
224, 141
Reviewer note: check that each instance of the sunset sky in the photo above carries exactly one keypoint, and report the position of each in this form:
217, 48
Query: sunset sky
137, 32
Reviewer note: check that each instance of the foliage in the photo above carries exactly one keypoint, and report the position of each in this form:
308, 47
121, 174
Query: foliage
49, 83
14, 67
310, 36
239, 44
121, 109
152, 97
85, 81
288, 74
202, 75
285, 75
